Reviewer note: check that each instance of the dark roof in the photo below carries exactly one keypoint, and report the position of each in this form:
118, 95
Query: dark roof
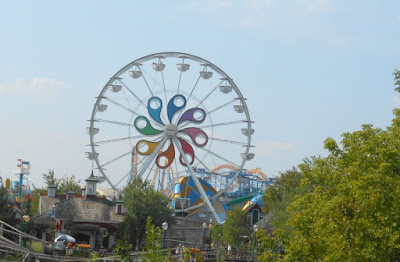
45, 219
92, 178
46, 204
95, 210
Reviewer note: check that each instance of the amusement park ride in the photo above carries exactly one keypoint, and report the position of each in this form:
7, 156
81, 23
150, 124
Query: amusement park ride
180, 122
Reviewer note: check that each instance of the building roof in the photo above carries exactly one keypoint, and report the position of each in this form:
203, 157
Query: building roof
46, 204
80, 210
92, 178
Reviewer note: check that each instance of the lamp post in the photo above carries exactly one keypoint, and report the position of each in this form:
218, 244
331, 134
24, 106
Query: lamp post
204, 234
255, 228
164, 228
26, 219
210, 227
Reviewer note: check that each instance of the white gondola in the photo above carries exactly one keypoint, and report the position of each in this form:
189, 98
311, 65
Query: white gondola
135, 74
182, 67
225, 89
93, 131
245, 131
90, 155
101, 107
206, 74
248, 156
239, 108
158, 66
115, 88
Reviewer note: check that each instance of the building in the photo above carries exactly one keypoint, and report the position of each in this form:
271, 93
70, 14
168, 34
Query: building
90, 219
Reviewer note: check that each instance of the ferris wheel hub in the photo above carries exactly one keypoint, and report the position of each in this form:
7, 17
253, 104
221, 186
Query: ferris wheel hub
170, 130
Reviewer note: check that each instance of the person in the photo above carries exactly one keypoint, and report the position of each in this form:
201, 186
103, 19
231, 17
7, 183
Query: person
229, 249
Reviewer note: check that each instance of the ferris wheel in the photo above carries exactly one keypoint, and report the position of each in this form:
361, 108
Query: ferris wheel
169, 115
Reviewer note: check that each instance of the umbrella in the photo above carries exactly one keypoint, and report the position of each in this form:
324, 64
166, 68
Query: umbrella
65, 237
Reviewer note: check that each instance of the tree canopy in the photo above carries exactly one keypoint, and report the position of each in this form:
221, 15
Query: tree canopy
347, 206
6, 212
64, 184
142, 202
235, 227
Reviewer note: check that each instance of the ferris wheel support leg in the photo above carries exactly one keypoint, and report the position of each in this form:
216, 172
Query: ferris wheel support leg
196, 181
150, 159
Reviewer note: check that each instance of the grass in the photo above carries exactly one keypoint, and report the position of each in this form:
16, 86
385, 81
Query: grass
37, 246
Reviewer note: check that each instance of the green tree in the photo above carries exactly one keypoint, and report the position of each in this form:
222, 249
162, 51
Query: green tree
153, 247
353, 210
276, 200
216, 233
123, 250
64, 184
235, 227
142, 201
6, 211
70, 184
50, 179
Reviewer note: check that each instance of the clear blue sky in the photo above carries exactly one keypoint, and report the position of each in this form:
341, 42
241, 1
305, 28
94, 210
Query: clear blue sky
310, 69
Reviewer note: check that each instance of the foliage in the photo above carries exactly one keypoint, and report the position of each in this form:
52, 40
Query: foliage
6, 211
123, 250
346, 207
216, 233
64, 184
50, 178
70, 184
94, 256
235, 226
396, 74
153, 247
276, 200
35, 203
270, 246
353, 209
142, 201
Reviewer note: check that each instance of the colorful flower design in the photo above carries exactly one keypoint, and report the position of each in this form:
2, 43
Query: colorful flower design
173, 129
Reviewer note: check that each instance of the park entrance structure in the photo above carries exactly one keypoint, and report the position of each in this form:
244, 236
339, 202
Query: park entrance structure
166, 115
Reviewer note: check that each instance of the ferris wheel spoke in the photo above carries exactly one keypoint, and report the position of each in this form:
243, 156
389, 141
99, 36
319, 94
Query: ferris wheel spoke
218, 156
222, 106
118, 139
187, 100
165, 91
210, 93
224, 124
201, 162
151, 170
228, 141
179, 82
119, 105
116, 159
112, 122
145, 81
151, 157
191, 92
123, 178
196, 180
132, 93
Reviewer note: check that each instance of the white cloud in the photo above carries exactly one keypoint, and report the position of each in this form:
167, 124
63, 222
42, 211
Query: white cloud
36, 86
268, 148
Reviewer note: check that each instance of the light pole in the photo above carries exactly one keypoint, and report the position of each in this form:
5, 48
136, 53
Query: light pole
255, 228
26, 219
204, 234
164, 228
210, 227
